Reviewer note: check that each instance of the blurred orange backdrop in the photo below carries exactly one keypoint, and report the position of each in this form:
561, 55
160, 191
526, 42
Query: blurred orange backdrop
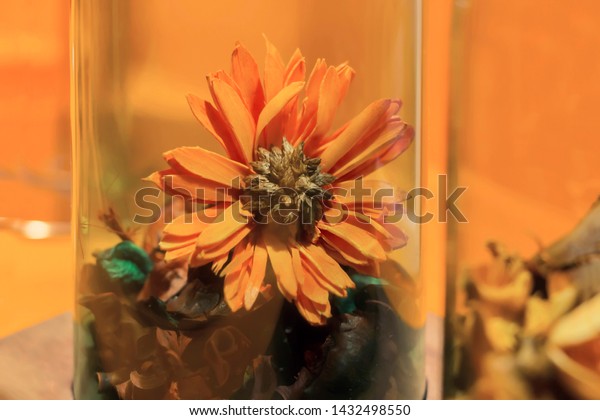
34, 109
524, 102
37, 276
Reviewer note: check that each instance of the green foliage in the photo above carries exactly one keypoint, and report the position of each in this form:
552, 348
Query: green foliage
126, 262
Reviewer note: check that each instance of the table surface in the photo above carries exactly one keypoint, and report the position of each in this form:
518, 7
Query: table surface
37, 363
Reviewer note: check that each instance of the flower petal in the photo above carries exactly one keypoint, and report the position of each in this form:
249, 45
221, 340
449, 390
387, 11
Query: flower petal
208, 254
230, 222
233, 285
311, 102
308, 310
328, 103
345, 76
182, 253
313, 290
328, 272
363, 122
257, 276
245, 73
192, 187
274, 71
219, 263
376, 152
345, 250
397, 237
296, 68
274, 107
236, 114
241, 253
208, 165
297, 264
367, 195
212, 120
282, 263
382, 156
351, 238
322, 104
294, 72
180, 236
189, 225
309, 270
221, 75
369, 268
389, 235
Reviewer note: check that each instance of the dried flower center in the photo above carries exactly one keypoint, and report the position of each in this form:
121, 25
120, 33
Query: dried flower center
287, 188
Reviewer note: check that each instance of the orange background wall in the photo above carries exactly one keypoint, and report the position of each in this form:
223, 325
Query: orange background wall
525, 103
34, 109
36, 277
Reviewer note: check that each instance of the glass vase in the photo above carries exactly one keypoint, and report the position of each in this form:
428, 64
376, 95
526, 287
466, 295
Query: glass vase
240, 209
523, 279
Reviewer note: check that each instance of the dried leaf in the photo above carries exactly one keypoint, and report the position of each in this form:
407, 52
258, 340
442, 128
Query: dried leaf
575, 248
125, 262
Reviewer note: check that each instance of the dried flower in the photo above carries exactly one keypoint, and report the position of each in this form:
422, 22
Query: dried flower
272, 196
505, 284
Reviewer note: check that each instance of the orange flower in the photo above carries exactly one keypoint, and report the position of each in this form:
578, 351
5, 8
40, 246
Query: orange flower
272, 201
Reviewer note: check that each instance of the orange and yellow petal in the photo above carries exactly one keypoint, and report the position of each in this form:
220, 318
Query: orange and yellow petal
295, 71
384, 149
246, 75
328, 103
296, 68
315, 313
231, 223
236, 114
207, 165
272, 112
274, 71
365, 122
325, 270
389, 235
281, 261
189, 225
214, 122
352, 239
192, 187
310, 104
256, 276
370, 268
371, 197
179, 237
236, 276
206, 255
245, 274
325, 90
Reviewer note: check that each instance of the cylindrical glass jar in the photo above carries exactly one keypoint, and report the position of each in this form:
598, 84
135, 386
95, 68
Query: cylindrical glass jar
524, 267
252, 240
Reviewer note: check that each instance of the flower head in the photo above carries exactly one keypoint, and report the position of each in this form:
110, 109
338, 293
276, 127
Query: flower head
272, 201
